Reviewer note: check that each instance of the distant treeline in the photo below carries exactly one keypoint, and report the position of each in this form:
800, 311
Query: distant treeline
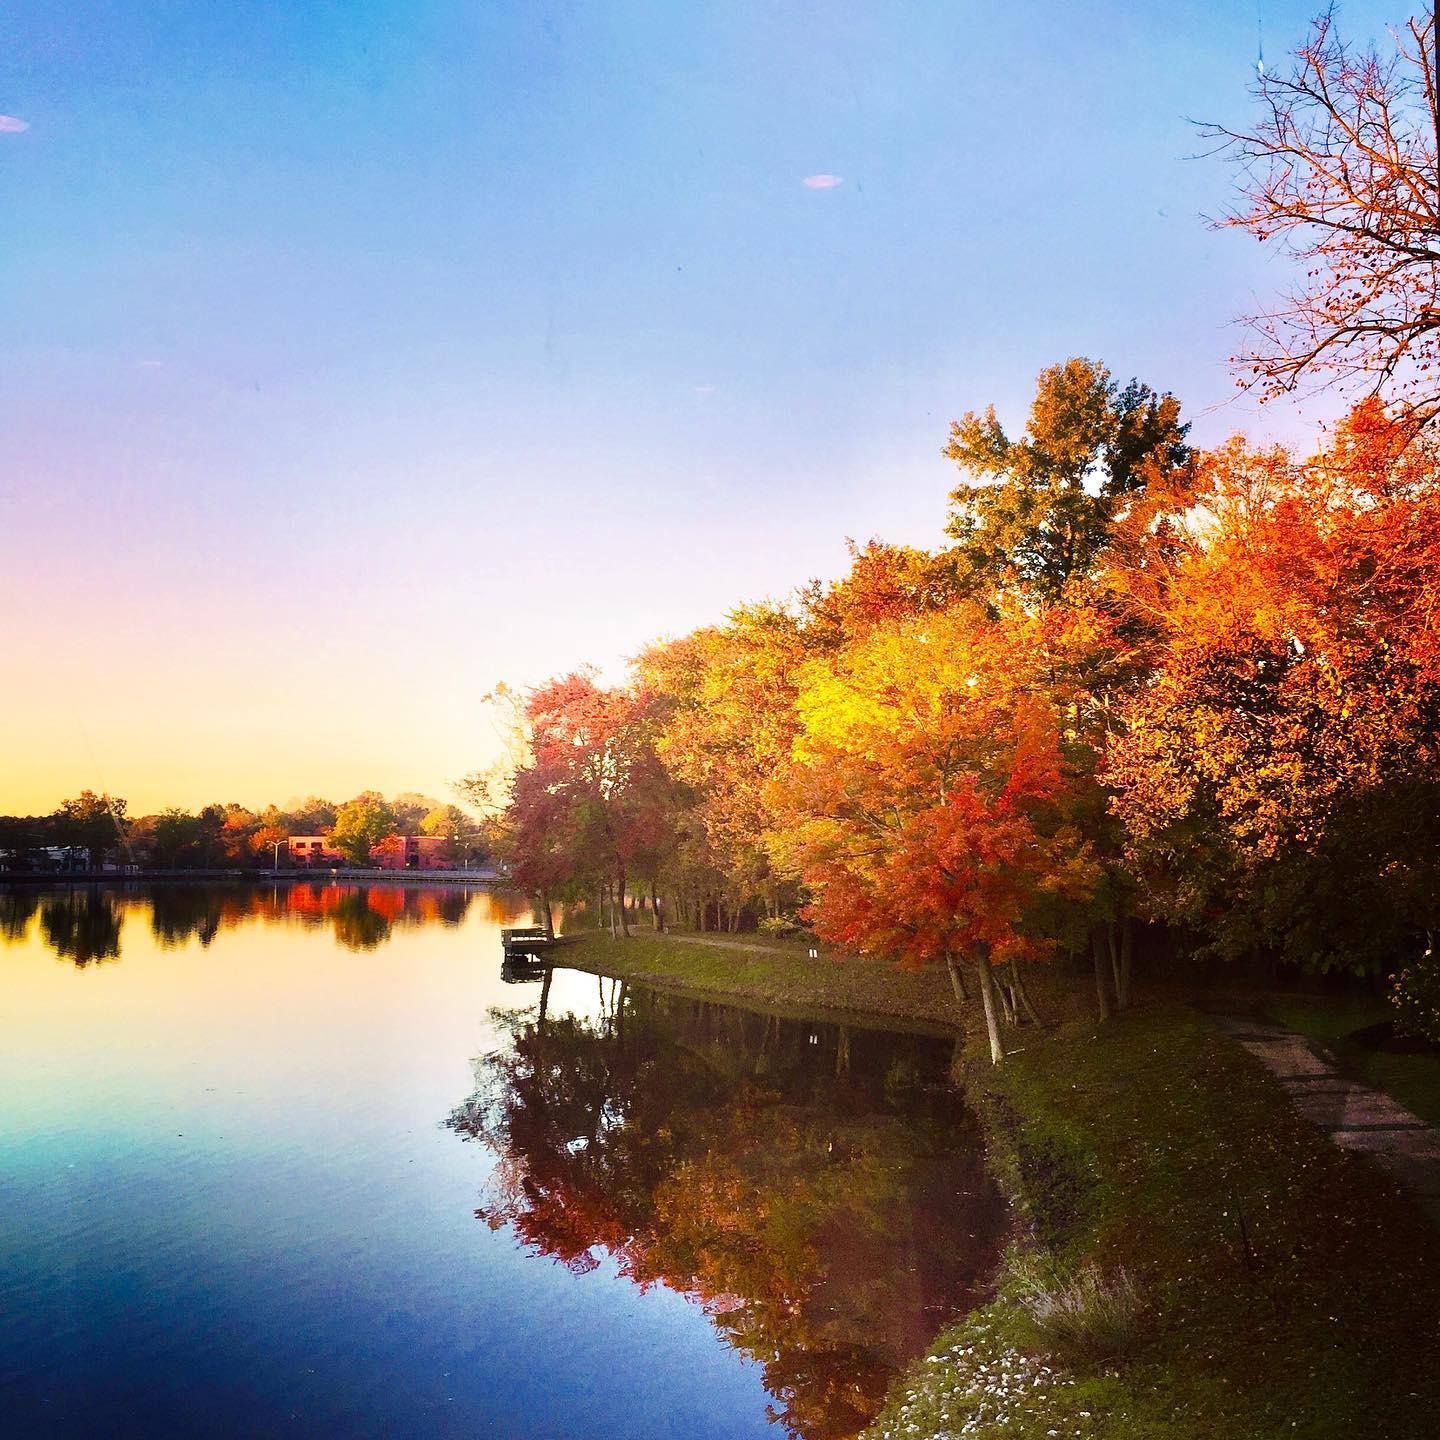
93, 830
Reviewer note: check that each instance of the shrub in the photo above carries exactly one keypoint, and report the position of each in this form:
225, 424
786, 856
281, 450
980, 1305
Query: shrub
1415, 994
778, 925
1083, 1313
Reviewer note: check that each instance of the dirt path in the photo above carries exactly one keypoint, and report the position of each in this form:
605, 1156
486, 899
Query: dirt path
717, 942
1353, 1115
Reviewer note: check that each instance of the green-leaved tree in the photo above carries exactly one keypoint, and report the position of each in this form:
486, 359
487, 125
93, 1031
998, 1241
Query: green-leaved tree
1040, 510
361, 824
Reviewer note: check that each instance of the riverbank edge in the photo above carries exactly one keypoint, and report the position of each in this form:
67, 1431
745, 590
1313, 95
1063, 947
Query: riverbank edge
783, 978
1138, 1146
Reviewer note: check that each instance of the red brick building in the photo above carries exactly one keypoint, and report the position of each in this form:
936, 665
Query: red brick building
412, 852
397, 852
314, 850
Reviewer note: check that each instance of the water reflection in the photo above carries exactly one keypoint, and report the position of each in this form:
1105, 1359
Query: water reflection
16, 909
81, 926
184, 912
209, 1252
816, 1188
86, 925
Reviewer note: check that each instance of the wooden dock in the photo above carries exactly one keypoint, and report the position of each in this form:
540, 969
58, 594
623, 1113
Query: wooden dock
526, 942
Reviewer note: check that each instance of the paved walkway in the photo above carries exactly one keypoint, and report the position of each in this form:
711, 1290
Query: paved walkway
1353, 1115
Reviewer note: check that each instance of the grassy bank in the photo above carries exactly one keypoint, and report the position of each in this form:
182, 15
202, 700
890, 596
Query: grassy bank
1285, 1288
780, 975
1282, 1287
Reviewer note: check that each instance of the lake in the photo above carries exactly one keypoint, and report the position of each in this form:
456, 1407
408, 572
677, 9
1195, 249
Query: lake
299, 1160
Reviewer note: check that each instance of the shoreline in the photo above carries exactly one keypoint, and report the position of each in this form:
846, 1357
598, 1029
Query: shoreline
1271, 1270
347, 876
754, 1002
774, 976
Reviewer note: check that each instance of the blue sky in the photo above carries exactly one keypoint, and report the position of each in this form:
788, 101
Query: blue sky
357, 356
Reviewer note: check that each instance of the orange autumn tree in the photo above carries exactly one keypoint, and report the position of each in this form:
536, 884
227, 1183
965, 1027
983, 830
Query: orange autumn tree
930, 803
1279, 780
589, 803
392, 847
884, 584
724, 698
726, 701
1079, 517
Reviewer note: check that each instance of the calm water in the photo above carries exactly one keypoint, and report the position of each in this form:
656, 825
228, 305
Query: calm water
300, 1161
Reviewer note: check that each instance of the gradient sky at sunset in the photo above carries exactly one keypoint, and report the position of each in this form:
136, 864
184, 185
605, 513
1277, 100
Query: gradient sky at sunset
357, 356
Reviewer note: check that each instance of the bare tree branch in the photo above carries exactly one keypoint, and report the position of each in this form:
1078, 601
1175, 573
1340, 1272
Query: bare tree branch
1340, 173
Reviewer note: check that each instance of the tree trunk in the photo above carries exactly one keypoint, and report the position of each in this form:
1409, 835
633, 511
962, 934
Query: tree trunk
655, 907
1102, 990
957, 979
620, 887
1112, 941
1022, 995
1127, 959
1007, 1000
549, 915
986, 978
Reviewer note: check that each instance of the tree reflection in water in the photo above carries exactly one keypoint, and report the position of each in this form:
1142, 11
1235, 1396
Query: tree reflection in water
814, 1187
86, 925
179, 913
16, 909
83, 926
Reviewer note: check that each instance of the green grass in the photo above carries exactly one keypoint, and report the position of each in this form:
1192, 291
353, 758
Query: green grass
779, 974
1140, 1145
1414, 1080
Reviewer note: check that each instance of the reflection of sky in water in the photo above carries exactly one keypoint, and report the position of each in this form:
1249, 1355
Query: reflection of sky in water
231, 1208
